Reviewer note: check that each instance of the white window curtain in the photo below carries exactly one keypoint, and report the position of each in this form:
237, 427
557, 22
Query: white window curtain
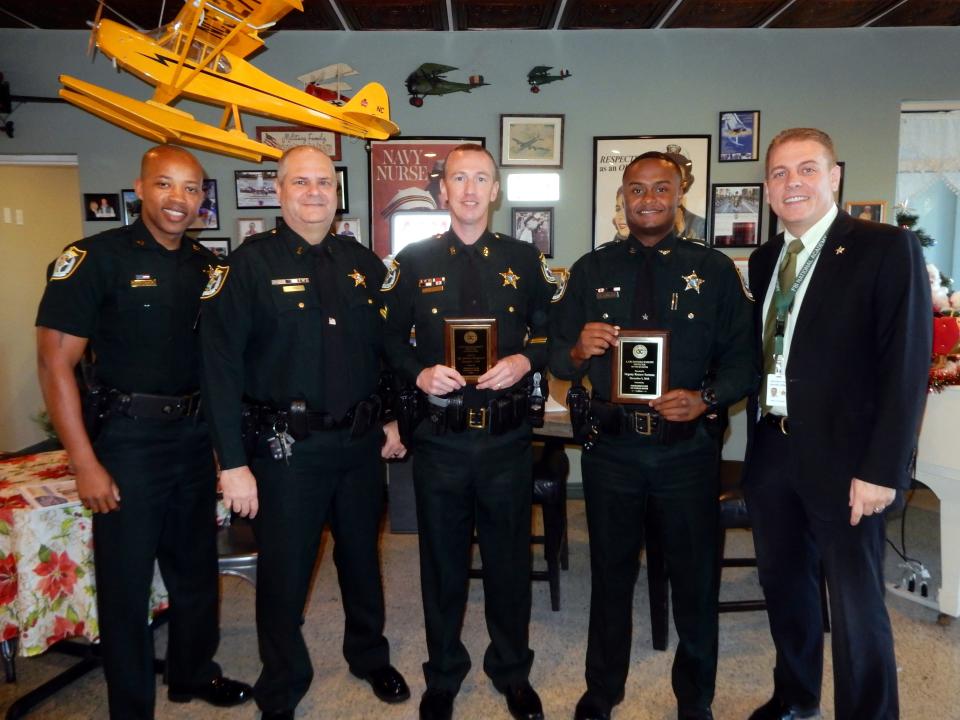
929, 153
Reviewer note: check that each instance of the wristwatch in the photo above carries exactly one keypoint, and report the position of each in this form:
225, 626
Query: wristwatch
709, 397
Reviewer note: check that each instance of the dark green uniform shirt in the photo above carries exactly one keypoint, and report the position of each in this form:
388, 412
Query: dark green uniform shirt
263, 329
136, 302
699, 297
425, 285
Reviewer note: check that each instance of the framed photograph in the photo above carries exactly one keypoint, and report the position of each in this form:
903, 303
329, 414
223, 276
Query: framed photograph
249, 226
531, 141
873, 210
611, 155
101, 207
209, 216
129, 206
348, 226
535, 226
736, 215
284, 137
255, 188
342, 205
218, 246
405, 175
739, 135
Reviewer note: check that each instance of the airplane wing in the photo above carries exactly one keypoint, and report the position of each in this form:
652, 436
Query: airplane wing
434, 69
329, 72
540, 70
220, 17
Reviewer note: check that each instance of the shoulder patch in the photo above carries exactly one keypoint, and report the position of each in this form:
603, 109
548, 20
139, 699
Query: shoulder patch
743, 285
551, 277
65, 265
393, 274
217, 278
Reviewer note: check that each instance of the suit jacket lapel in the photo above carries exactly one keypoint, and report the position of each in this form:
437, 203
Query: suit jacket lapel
825, 276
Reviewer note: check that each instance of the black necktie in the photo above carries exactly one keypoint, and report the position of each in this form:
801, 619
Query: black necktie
337, 384
644, 307
471, 289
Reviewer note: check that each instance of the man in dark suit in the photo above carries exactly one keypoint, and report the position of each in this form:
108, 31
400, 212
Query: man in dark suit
844, 315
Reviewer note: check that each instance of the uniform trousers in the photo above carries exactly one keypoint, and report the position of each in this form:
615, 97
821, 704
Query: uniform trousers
794, 538
621, 475
165, 472
330, 479
461, 481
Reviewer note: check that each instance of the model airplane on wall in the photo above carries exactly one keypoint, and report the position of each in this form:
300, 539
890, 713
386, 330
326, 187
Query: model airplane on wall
327, 82
200, 55
540, 76
428, 79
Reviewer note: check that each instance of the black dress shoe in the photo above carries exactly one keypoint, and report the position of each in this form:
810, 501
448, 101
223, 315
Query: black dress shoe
277, 715
436, 704
591, 707
221, 691
523, 702
388, 684
776, 709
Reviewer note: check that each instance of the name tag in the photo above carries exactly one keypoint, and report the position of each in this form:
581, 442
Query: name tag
777, 389
608, 293
293, 288
143, 281
429, 285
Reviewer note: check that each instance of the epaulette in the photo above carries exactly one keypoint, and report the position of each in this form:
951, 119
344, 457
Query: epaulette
695, 241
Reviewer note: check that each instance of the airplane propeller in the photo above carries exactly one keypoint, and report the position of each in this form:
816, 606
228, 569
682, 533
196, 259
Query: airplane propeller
92, 44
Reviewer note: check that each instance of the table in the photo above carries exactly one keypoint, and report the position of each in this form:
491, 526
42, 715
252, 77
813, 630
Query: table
47, 582
938, 467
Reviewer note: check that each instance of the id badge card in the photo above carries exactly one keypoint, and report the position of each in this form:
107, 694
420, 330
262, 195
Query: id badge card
776, 387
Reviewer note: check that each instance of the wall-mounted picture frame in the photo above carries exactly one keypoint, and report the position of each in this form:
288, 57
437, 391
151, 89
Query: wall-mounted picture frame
611, 155
130, 206
247, 226
872, 210
101, 207
736, 214
256, 189
404, 174
208, 218
219, 246
531, 141
349, 227
535, 226
739, 134
343, 205
284, 137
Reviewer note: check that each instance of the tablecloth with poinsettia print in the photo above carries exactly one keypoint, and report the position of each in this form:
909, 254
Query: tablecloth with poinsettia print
47, 586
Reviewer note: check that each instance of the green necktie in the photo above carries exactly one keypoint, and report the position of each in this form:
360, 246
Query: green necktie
788, 273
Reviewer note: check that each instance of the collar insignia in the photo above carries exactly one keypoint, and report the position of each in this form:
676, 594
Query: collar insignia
664, 252
839, 250
693, 282
358, 278
510, 278
486, 251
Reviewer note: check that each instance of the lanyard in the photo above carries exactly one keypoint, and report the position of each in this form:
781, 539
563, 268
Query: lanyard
783, 301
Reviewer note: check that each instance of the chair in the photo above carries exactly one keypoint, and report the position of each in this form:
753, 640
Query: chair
237, 550
550, 470
733, 515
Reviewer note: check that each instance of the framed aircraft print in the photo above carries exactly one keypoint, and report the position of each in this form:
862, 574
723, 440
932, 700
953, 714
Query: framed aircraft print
531, 141
739, 134
405, 175
611, 155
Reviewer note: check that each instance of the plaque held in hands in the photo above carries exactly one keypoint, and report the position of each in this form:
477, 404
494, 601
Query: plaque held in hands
640, 366
470, 345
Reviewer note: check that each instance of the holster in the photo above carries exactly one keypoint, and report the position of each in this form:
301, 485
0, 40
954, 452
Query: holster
250, 429
578, 400
298, 420
408, 414
95, 408
365, 415
535, 394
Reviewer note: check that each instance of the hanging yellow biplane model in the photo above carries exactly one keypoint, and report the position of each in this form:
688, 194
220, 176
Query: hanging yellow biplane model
200, 55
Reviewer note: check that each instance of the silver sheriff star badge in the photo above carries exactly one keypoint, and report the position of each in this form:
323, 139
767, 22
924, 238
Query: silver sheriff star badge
692, 281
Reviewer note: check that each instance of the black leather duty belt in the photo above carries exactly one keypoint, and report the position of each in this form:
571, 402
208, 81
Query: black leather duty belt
643, 420
497, 416
780, 422
299, 421
155, 407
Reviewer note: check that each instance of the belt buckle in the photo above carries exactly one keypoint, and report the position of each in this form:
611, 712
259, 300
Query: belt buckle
648, 429
784, 425
477, 418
